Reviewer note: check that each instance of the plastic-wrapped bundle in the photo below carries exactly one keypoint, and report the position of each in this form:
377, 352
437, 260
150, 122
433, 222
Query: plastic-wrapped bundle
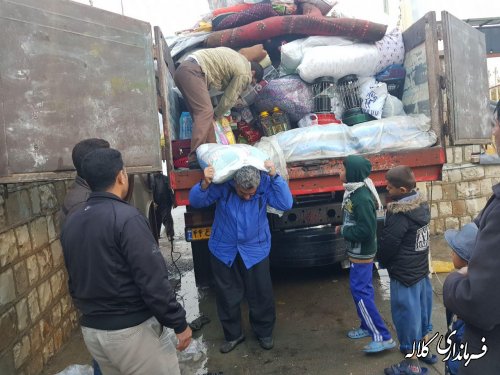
339, 61
293, 52
292, 95
330, 141
227, 159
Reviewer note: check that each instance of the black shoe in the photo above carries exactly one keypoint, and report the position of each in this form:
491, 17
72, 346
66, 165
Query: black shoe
194, 165
227, 346
266, 342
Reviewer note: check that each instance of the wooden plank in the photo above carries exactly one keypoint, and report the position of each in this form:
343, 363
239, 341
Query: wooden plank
163, 75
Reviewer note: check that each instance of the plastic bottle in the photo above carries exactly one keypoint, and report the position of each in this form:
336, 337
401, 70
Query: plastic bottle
280, 121
266, 123
226, 126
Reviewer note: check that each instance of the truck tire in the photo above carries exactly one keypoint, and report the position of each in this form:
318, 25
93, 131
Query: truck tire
201, 263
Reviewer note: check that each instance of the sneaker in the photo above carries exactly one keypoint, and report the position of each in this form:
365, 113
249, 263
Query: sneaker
358, 333
227, 346
379, 346
266, 343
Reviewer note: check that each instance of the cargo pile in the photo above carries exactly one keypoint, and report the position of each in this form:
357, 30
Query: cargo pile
321, 68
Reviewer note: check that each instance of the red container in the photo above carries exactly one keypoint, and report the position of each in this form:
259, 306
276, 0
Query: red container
181, 148
327, 118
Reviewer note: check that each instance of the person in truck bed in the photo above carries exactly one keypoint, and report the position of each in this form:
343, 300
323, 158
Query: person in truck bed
239, 247
222, 69
360, 230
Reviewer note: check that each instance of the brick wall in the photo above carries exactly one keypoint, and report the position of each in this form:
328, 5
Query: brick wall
36, 313
463, 191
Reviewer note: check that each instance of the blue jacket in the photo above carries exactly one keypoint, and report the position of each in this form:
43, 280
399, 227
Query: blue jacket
239, 225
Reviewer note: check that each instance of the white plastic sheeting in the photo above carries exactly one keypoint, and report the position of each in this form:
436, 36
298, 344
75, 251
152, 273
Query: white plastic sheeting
338, 140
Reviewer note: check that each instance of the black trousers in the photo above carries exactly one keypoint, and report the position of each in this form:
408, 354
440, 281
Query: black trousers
234, 283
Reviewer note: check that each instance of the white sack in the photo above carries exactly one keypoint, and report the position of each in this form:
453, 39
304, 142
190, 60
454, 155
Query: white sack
393, 107
391, 49
227, 159
339, 61
293, 52
373, 95
331, 141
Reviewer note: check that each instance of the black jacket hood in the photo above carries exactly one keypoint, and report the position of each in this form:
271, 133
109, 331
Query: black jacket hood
411, 205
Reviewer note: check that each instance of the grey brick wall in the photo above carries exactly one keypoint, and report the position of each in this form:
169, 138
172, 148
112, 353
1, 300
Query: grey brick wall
36, 313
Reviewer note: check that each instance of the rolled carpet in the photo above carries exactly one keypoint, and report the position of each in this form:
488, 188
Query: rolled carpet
256, 32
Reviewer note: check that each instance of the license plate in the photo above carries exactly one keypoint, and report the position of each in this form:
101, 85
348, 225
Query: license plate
198, 234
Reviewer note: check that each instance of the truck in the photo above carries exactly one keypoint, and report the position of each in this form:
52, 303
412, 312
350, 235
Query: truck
73, 71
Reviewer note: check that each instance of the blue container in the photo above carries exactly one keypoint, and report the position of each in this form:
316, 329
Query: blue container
394, 77
186, 126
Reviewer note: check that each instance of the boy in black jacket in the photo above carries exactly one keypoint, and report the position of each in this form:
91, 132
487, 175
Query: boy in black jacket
403, 249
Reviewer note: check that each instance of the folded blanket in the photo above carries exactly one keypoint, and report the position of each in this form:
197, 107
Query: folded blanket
256, 32
254, 13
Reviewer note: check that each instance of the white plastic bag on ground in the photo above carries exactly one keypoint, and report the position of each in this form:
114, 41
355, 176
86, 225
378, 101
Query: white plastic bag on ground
77, 370
227, 159
373, 95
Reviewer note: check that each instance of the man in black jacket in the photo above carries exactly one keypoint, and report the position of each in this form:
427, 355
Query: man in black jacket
118, 277
473, 292
79, 191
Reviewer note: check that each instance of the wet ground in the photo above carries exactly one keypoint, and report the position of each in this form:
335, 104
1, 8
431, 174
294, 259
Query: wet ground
314, 312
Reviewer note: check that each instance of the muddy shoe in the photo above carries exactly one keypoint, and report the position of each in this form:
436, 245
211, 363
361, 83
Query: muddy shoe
199, 322
227, 346
266, 343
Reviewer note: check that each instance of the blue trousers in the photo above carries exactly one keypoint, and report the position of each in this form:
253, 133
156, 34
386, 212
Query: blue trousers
411, 309
361, 281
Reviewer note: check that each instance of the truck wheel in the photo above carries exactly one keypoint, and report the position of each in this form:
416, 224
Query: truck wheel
201, 263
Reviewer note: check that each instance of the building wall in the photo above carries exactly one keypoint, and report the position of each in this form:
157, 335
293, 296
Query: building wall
37, 316
463, 191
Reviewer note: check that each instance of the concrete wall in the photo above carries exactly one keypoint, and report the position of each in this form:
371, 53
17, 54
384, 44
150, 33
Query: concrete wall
36, 313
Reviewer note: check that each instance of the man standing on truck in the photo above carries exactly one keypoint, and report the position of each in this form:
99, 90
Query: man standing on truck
222, 69
118, 278
239, 247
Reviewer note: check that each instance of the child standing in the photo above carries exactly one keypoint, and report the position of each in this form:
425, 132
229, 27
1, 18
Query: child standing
462, 243
359, 229
404, 251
